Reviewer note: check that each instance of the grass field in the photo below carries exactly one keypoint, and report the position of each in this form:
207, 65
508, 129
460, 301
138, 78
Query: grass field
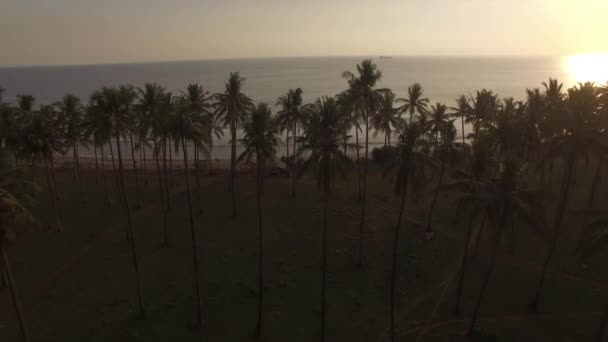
79, 285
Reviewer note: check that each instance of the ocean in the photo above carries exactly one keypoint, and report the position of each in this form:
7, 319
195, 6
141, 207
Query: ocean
443, 78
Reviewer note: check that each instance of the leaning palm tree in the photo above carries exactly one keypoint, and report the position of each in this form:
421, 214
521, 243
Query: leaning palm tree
288, 119
415, 102
410, 164
14, 190
594, 240
231, 108
507, 197
322, 146
387, 120
578, 141
260, 139
71, 117
367, 99
117, 104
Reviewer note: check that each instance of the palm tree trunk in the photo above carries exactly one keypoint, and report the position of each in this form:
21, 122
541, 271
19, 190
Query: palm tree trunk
604, 323
326, 194
161, 190
96, 164
463, 263
103, 175
489, 271
429, 226
196, 167
197, 285
133, 158
74, 162
358, 163
131, 233
52, 194
557, 224
293, 163
6, 269
258, 329
167, 192
462, 124
233, 169
395, 258
364, 190
170, 160
143, 163
479, 234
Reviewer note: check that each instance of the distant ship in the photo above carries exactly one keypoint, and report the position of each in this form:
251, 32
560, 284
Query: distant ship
382, 57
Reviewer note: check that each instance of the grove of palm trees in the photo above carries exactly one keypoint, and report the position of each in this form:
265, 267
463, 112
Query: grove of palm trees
483, 219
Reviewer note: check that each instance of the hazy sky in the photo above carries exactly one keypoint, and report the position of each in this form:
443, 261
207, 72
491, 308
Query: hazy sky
104, 31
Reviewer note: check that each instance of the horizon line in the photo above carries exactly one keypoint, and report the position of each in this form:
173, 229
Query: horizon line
166, 61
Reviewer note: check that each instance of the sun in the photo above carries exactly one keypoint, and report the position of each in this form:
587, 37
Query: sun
589, 68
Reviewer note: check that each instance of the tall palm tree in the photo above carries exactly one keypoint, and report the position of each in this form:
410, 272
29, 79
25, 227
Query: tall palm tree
367, 99
71, 116
188, 128
387, 120
577, 141
507, 197
322, 146
447, 153
288, 119
260, 139
439, 119
410, 164
462, 111
483, 110
415, 102
40, 138
352, 117
117, 104
14, 191
231, 108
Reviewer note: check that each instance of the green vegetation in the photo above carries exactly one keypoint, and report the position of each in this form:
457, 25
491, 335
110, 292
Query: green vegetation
438, 240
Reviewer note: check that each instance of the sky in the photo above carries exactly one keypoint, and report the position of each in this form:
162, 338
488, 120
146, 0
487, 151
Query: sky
51, 32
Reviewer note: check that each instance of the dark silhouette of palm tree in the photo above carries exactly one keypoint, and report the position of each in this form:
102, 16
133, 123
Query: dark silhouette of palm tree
260, 139
368, 100
231, 108
71, 117
462, 111
116, 104
415, 102
410, 164
322, 146
288, 119
387, 120
578, 140
14, 191
439, 119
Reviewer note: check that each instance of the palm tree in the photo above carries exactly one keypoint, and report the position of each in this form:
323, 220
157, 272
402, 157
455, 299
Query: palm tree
462, 111
507, 197
288, 119
387, 120
483, 109
414, 103
231, 108
71, 116
410, 164
447, 153
595, 239
576, 142
352, 117
322, 145
152, 102
367, 99
13, 192
439, 119
40, 138
116, 104
260, 138
188, 128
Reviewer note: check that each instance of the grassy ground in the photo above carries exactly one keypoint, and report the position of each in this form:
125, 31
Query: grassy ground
79, 285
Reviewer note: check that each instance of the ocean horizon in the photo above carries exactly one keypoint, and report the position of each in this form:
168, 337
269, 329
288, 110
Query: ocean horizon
442, 77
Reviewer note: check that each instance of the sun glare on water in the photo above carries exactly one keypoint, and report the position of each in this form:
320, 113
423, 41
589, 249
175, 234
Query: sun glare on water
589, 68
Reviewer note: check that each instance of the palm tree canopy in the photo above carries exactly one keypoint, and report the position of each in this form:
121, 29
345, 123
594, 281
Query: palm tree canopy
415, 102
259, 135
387, 118
232, 105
